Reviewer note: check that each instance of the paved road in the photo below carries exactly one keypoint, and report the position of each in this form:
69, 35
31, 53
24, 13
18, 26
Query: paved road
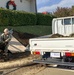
55, 71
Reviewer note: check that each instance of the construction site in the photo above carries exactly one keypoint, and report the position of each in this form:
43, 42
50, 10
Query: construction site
36, 37
20, 60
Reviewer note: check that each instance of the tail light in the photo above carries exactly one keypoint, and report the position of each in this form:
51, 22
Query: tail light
68, 54
72, 54
36, 52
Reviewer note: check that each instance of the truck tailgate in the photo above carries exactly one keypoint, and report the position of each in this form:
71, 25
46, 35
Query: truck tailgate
52, 44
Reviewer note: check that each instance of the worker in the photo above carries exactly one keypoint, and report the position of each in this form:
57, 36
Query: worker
5, 38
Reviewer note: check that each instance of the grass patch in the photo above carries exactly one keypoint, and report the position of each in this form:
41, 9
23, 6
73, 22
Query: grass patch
37, 30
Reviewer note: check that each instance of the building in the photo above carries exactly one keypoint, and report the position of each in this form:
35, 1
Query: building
22, 5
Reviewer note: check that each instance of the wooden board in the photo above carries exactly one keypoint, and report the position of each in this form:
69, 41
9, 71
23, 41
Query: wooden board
16, 46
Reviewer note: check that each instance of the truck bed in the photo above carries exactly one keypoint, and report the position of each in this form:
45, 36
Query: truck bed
52, 44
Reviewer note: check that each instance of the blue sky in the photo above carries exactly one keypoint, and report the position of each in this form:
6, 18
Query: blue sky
51, 5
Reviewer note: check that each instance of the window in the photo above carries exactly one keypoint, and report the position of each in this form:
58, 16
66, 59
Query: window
67, 21
72, 20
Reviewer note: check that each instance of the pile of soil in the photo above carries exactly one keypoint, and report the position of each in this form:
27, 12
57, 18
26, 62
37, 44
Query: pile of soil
23, 38
59, 35
71, 35
22, 61
56, 36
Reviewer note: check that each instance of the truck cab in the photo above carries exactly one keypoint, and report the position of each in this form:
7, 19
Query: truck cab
64, 25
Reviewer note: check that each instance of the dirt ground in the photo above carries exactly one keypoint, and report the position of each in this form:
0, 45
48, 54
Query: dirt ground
29, 70
20, 64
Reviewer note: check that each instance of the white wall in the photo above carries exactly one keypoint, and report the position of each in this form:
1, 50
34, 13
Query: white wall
32, 6
3, 3
25, 5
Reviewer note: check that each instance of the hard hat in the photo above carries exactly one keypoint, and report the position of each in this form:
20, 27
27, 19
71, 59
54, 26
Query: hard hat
6, 30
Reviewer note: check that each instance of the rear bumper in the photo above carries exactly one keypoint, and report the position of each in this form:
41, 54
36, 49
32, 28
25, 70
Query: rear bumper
54, 61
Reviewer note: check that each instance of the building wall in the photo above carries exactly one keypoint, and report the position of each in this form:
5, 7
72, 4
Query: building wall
25, 5
33, 6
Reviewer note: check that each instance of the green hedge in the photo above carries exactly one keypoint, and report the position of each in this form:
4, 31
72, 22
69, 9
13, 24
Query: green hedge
21, 18
10, 17
44, 19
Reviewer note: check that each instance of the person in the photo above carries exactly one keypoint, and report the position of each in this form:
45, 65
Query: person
5, 39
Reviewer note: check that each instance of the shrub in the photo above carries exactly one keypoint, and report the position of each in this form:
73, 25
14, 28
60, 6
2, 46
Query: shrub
16, 18
21, 18
43, 19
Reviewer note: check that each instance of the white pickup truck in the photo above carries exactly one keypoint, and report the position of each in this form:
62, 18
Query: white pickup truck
56, 50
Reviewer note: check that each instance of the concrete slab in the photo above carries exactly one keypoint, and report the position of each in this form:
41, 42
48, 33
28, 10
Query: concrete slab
16, 46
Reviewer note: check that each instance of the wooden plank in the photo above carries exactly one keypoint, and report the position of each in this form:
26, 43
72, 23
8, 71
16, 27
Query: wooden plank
16, 46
